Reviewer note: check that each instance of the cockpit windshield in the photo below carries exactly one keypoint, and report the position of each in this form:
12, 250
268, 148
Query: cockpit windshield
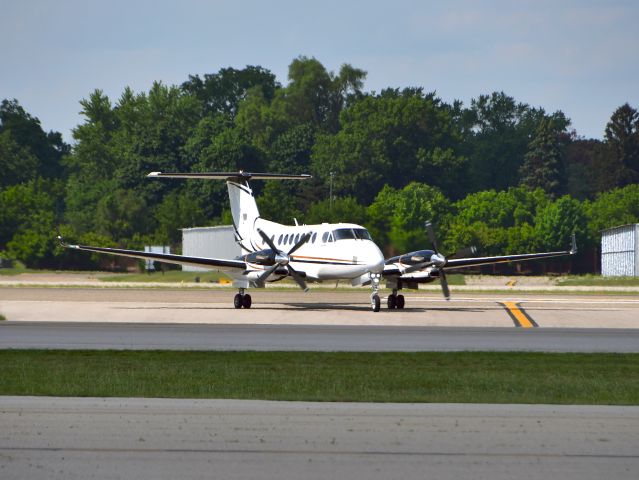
351, 234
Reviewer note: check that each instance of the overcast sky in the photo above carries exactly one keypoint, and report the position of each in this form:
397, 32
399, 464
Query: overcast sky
578, 56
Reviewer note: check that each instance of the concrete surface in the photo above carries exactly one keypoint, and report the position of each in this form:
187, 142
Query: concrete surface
79, 438
319, 307
367, 338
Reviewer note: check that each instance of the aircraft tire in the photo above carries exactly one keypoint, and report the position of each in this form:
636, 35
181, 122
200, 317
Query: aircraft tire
247, 301
375, 303
391, 302
400, 301
237, 301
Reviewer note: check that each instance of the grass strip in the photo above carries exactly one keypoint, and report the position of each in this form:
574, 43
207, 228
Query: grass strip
598, 281
477, 377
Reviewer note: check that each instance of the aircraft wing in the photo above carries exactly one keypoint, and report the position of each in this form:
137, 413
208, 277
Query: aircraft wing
223, 264
477, 261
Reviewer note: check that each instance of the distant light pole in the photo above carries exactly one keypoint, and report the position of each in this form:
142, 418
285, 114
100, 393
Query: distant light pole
330, 194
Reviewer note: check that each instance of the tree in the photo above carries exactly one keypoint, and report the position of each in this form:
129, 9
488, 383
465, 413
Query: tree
17, 163
497, 131
622, 136
611, 209
314, 96
222, 92
26, 151
391, 138
543, 165
341, 209
496, 222
396, 217
557, 221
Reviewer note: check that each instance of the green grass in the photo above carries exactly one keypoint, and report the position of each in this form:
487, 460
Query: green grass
483, 377
173, 276
455, 279
598, 281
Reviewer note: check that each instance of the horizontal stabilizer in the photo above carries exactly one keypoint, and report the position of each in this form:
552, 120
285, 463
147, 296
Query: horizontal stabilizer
228, 175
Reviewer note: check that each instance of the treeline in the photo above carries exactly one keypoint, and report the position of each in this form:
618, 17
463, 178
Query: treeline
499, 174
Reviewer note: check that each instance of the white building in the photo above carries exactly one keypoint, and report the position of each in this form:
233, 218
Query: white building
620, 251
209, 242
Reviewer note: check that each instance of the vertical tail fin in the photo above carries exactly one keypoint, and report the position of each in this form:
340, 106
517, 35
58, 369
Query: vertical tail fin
243, 206
244, 210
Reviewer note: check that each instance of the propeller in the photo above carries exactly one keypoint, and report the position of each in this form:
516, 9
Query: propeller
438, 259
283, 259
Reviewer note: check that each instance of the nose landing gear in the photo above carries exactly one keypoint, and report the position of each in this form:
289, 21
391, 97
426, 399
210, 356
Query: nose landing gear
375, 301
242, 299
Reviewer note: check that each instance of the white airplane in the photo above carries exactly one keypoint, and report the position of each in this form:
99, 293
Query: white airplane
328, 251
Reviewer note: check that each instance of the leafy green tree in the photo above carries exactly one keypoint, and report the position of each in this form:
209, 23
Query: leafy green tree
121, 214
222, 92
390, 139
496, 222
178, 210
341, 209
314, 96
17, 163
26, 151
557, 221
497, 133
396, 217
28, 219
543, 165
611, 209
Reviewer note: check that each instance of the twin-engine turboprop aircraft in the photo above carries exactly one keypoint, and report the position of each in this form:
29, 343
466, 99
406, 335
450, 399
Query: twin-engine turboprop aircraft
337, 251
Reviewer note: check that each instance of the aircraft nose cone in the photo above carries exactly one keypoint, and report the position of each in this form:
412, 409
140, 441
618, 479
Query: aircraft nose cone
376, 263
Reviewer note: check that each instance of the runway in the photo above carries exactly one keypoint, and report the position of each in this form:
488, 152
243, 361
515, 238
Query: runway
44, 437
186, 319
318, 307
122, 336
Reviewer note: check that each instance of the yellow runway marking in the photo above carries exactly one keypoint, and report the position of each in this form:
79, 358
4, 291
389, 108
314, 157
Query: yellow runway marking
520, 318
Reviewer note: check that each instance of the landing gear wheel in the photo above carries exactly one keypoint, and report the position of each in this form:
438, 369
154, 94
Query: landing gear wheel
375, 303
246, 301
400, 301
237, 301
392, 301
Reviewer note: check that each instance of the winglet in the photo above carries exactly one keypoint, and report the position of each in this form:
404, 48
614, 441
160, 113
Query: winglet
59, 238
573, 248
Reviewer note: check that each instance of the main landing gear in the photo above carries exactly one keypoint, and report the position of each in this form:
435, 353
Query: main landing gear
395, 301
242, 300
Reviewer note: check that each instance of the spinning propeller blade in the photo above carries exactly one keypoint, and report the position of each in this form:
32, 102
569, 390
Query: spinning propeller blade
442, 274
292, 272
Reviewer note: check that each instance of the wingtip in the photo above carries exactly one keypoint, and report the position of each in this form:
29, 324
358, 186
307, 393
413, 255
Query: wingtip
154, 174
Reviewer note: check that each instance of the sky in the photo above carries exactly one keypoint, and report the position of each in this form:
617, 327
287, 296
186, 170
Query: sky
577, 56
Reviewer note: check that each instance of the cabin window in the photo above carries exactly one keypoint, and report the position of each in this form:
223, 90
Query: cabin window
314, 237
291, 239
325, 237
279, 240
297, 238
272, 238
286, 239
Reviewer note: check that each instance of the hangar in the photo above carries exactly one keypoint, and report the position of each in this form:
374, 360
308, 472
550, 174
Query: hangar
620, 251
210, 242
